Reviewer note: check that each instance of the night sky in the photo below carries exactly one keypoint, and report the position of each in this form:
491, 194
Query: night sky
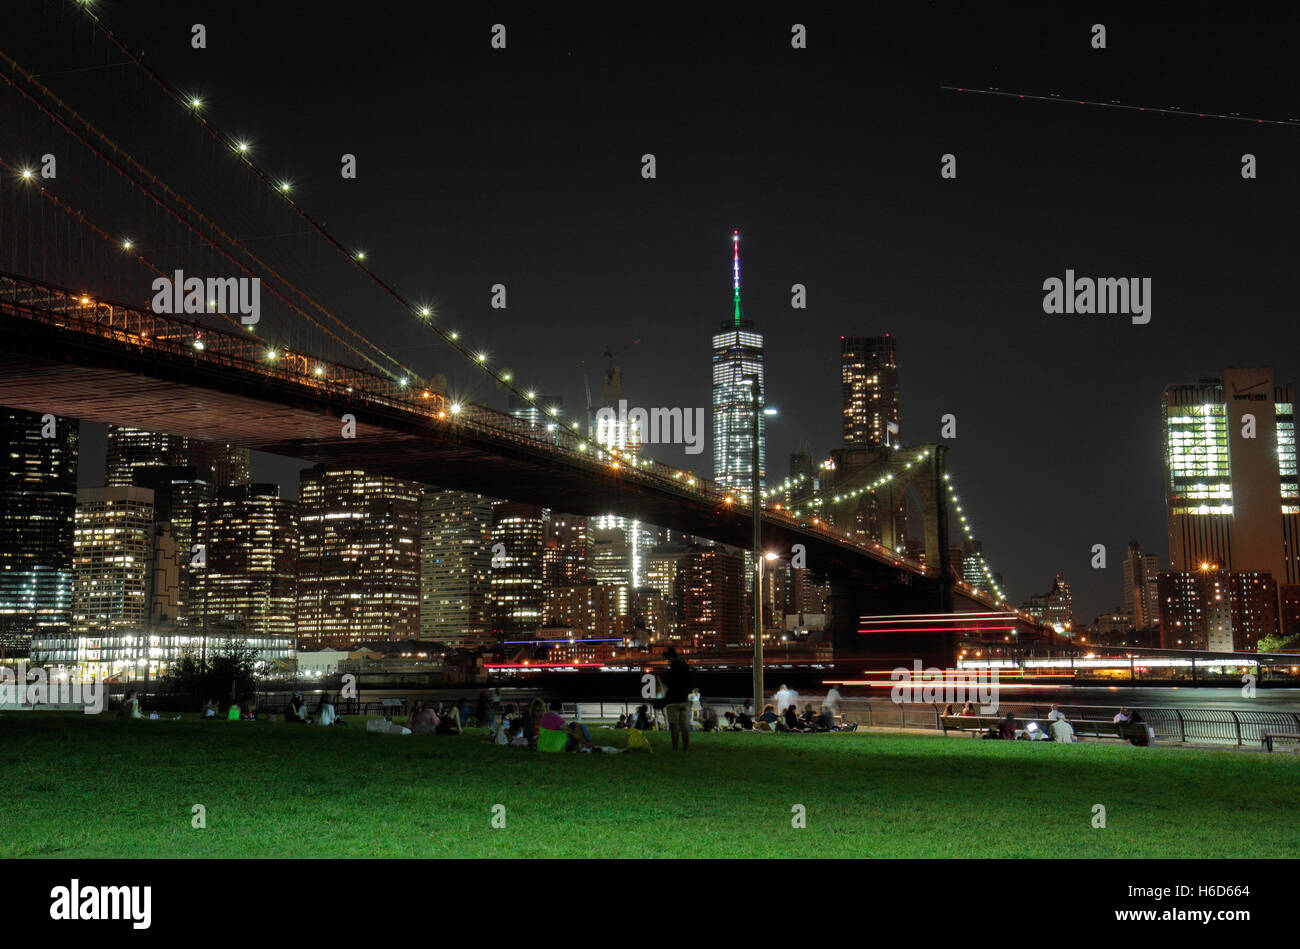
522, 166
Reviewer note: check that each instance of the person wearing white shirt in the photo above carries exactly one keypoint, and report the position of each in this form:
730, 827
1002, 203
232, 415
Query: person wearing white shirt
785, 696
831, 707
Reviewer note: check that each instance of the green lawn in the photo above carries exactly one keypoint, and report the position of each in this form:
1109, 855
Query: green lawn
96, 786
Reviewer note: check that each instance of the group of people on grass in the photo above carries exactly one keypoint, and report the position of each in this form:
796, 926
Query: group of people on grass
782, 714
538, 726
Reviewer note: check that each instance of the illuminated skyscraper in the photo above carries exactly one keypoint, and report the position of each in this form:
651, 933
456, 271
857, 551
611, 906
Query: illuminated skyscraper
249, 540
737, 357
611, 564
455, 568
1141, 599
358, 558
1231, 492
131, 448
713, 596
112, 561
178, 492
518, 599
1214, 609
38, 499
564, 560
869, 387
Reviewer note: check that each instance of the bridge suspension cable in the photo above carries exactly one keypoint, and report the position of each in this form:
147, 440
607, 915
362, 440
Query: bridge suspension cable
133, 163
478, 359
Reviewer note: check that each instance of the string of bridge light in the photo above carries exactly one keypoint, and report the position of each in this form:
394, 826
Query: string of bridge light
128, 246
241, 148
27, 175
970, 536
816, 504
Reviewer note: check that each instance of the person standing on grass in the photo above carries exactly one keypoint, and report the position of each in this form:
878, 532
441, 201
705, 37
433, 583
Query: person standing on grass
677, 691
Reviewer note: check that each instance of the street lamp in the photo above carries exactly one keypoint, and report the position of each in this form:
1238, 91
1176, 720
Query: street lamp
756, 498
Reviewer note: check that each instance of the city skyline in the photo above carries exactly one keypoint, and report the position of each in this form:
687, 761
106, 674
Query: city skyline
1082, 427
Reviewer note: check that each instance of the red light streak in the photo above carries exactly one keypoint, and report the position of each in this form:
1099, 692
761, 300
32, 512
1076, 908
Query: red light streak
939, 629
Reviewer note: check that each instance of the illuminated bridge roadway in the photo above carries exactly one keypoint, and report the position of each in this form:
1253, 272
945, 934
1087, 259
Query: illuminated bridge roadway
69, 355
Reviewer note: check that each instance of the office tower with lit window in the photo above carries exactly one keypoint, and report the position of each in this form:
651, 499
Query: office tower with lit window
517, 543
611, 564
178, 491
131, 448
1231, 492
869, 391
1214, 609
113, 558
564, 560
38, 500
589, 608
663, 574
249, 552
1141, 598
1054, 608
713, 596
737, 365
358, 558
455, 568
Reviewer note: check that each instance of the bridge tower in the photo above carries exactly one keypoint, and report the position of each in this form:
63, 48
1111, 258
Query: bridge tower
894, 473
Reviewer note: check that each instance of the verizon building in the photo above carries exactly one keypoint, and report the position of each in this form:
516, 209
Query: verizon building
1231, 492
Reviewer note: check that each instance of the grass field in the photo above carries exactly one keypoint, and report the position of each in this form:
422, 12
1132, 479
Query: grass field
95, 786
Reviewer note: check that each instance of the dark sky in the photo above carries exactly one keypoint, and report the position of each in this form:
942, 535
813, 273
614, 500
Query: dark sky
522, 166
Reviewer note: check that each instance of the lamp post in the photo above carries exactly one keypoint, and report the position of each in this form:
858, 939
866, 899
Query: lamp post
756, 496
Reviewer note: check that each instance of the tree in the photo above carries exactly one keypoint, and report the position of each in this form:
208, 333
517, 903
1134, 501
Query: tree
1273, 643
227, 674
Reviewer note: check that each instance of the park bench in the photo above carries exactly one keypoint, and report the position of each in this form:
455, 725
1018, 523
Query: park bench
1266, 738
1090, 728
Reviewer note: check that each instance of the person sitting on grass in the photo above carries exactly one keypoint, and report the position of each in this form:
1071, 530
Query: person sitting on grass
790, 719
233, 713
708, 719
325, 714
451, 719
744, 719
297, 710
209, 709
131, 706
642, 720
424, 720
768, 718
815, 721
515, 735
623, 721
532, 715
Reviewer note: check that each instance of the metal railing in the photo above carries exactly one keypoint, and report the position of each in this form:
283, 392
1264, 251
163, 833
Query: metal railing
1190, 725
